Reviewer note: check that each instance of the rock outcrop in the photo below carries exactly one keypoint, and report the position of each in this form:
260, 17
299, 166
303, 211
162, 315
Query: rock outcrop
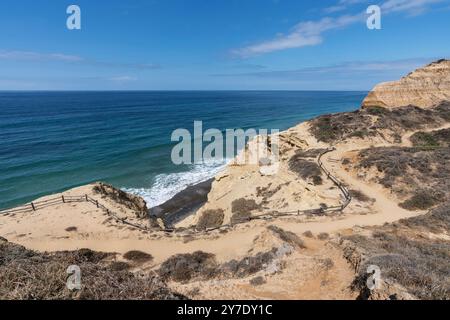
424, 88
132, 202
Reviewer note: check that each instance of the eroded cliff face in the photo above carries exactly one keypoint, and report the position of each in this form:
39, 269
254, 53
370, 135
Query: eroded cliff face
424, 88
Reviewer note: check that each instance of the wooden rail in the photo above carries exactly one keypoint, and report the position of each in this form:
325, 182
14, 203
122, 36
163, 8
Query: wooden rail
34, 206
274, 215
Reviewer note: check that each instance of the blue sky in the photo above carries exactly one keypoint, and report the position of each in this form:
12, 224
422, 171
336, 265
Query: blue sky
217, 44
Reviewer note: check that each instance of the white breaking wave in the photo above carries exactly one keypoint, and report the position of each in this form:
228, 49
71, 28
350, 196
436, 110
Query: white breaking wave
168, 185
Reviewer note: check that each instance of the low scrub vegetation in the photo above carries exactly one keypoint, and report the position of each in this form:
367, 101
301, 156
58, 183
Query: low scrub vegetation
434, 139
422, 200
185, 267
287, 236
310, 153
28, 275
370, 122
210, 219
360, 196
420, 175
418, 263
138, 256
306, 169
242, 209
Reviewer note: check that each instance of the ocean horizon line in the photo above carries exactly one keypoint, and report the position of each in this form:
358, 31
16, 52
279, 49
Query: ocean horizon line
180, 90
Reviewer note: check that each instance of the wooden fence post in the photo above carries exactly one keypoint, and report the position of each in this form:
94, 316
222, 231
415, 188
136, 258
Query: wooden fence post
63, 200
86, 196
96, 202
32, 206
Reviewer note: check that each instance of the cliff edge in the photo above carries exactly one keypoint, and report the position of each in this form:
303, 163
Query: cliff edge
424, 88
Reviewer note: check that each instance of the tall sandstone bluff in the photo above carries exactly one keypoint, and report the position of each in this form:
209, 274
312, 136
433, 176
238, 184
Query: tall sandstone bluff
424, 88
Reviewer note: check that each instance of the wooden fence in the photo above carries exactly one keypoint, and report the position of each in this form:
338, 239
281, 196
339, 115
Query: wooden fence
277, 214
34, 206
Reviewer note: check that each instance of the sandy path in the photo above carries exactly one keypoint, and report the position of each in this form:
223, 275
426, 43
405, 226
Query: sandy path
45, 230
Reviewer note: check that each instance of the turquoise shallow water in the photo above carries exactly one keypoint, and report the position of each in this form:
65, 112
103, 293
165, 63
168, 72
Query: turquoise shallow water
52, 141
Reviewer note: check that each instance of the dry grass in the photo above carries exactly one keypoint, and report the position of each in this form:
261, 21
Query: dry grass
434, 139
186, 267
422, 200
422, 175
306, 169
360, 196
287, 236
138, 256
370, 122
242, 209
27, 275
407, 257
249, 265
308, 234
323, 236
257, 281
210, 219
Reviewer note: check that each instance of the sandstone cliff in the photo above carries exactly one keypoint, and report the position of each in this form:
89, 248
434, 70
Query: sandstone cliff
424, 88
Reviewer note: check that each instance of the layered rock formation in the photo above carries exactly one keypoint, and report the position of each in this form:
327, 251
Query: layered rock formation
424, 88
135, 203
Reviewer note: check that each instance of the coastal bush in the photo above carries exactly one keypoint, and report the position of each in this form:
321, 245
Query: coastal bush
317, 180
310, 153
360, 134
376, 110
28, 275
375, 121
407, 170
308, 234
323, 236
423, 199
324, 130
241, 209
417, 263
185, 267
119, 266
327, 263
423, 139
267, 192
210, 219
138, 256
287, 236
248, 265
443, 110
257, 281
71, 229
434, 139
436, 221
306, 169
360, 196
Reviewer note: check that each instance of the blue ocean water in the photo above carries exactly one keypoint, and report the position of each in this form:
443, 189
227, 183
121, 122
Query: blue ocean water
53, 141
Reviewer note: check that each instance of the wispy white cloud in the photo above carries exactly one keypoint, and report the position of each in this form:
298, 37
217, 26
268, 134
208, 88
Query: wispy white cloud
413, 7
342, 5
122, 79
36, 56
310, 33
60, 57
354, 75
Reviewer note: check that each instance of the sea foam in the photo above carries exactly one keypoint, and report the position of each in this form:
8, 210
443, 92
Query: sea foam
166, 186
